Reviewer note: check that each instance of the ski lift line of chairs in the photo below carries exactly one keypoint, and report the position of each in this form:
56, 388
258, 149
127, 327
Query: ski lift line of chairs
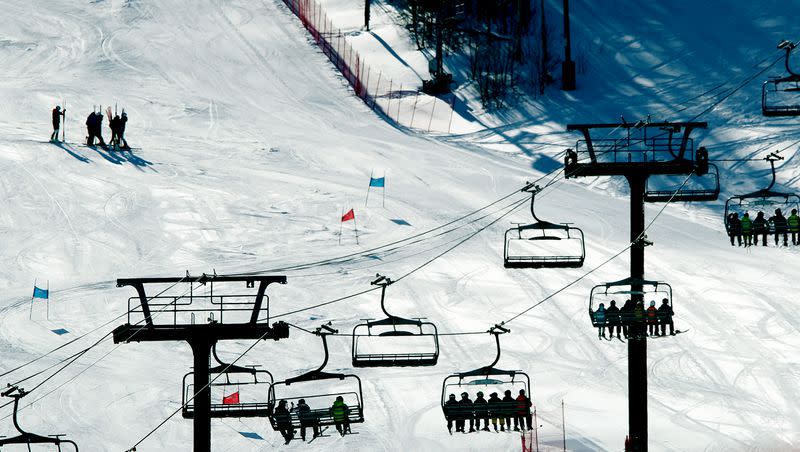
764, 200
623, 290
532, 245
254, 403
780, 96
686, 194
29, 438
484, 378
354, 398
394, 331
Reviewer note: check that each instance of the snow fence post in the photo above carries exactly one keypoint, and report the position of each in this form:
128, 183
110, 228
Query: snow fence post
377, 87
414, 110
399, 100
433, 109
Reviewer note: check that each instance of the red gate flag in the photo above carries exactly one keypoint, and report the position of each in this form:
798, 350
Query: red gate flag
350, 215
232, 399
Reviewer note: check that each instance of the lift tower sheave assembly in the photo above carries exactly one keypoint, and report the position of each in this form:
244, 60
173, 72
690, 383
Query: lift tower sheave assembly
205, 312
637, 151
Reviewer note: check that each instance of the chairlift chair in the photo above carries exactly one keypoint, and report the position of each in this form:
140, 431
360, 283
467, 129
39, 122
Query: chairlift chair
765, 199
24, 437
543, 244
413, 342
485, 379
253, 402
623, 290
691, 190
320, 402
780, 96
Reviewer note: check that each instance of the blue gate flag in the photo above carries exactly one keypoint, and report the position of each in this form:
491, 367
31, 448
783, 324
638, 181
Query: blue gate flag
40, 293
377, 181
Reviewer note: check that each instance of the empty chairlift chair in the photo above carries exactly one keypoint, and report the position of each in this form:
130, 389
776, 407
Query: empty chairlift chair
24, 437
780, 96
394, 341
236, 391
543, 244
631, 289
685, 189
487, 379
765, 200
320, 390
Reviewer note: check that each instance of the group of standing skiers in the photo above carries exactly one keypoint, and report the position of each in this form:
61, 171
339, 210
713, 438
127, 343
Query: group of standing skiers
746, 231
505, 409
94, 128
633, 318
309, 418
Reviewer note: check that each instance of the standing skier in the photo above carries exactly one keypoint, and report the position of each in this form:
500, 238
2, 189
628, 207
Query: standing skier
121, 136
90, 120
114, 125
57, 114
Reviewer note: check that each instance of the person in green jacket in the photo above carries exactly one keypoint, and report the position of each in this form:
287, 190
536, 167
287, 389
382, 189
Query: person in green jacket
339, 411
794, 226
747, 229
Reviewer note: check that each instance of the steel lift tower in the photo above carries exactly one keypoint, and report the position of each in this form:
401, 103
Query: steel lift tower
640, 150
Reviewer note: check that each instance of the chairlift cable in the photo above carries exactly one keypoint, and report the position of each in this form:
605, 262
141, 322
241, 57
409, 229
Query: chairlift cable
735, 90
642, 235
514, 206
240, 356
71, 359
79, 337
372, 250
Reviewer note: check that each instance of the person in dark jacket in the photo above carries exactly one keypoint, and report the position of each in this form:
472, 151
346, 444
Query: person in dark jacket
98, 128
599, 318
283, 419
613, 319
90, 129
626, 317
665, 314
481, 407
114, 125
760, 227
735, 228
451, 412
781, 227
465, 407
495, 408
524, 405
94, 125
508, 408
122, 121
307, 419
57, 115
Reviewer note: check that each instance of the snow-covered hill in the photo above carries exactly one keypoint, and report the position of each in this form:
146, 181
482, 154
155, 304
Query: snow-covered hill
248, 147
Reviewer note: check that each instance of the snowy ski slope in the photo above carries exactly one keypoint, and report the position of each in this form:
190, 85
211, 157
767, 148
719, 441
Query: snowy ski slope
249, 145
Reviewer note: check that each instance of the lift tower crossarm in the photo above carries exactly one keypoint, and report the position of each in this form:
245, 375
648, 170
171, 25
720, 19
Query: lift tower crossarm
202, 337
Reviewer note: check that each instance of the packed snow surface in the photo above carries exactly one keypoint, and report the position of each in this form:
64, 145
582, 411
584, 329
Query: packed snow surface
248, 146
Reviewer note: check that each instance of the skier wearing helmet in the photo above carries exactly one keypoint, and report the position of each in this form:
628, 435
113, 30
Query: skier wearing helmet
465, 412
57, 114
481, 412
